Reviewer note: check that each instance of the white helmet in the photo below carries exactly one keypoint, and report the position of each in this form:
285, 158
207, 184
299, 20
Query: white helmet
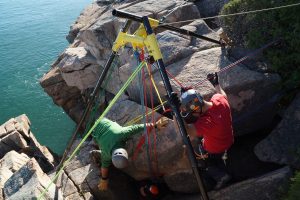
120, 158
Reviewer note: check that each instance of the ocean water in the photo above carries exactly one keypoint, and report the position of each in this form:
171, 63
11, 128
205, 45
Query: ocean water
32, 35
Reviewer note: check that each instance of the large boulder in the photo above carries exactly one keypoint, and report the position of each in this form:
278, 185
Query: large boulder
186, 178
174, 47
92, 35
267, 187
13, 161
79, 68
99, 35
75, 72
90, 13
282, 145
68, 97
243, 86
29, 182
17, 136
12, 141
209, 8
9, 164
172, 162
65, 184
82, 170
168, 145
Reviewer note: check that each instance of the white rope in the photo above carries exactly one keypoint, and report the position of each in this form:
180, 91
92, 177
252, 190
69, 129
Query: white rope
235, 14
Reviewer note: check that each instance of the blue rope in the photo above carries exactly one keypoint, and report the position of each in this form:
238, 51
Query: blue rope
141, 89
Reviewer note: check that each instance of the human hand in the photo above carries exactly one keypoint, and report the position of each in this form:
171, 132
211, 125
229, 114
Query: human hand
162, 123
213, 79
103, 185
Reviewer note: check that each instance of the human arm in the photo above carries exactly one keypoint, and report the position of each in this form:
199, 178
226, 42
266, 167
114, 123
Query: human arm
105, 163
220, 90
138, 128
214, 80
103, 184
129, 131
104, 172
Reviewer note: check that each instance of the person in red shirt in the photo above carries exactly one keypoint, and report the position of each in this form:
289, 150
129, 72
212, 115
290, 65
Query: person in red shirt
211, 121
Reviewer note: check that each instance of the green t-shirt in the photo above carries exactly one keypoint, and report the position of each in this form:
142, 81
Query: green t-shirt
110, 135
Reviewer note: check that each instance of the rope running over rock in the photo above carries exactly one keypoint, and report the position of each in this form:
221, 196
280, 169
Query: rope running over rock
233, 14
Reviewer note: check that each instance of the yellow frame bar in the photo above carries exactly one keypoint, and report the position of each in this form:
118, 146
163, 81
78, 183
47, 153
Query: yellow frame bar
140, 39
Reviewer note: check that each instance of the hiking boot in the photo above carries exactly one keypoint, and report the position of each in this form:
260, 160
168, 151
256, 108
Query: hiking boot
222, 182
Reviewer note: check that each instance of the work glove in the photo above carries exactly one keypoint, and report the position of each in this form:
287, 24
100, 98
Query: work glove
103, 185
174, 100
213, 79
162, 123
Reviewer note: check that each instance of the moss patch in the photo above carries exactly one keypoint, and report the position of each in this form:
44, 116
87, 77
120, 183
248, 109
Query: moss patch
294, 191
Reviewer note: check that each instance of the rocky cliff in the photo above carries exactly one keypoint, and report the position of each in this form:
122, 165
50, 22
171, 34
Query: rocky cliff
251, 87
24, 174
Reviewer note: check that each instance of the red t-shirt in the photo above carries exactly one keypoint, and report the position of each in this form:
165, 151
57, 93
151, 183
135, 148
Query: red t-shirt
215, 126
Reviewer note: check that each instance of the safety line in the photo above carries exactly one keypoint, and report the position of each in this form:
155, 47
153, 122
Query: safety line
176, 82
148, 143
155, 87
234, 14
156, 172
173, 77
239, 61
113, 101
138, 118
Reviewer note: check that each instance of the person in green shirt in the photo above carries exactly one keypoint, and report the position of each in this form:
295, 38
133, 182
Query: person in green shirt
111, 138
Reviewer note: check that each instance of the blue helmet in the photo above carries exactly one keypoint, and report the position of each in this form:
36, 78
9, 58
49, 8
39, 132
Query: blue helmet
191, 101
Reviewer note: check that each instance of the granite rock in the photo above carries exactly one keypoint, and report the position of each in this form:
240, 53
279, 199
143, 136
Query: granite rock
29, 182
282, 145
